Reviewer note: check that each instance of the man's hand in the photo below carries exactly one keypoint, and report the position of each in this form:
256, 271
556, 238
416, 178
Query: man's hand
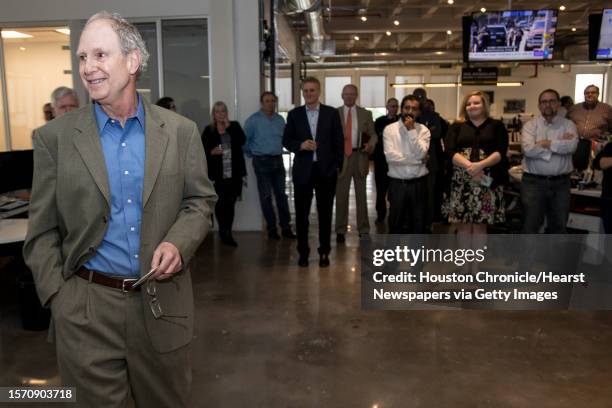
217, 151
368, 148
544, 143
408, 122
568, 136
167, 260
308, 145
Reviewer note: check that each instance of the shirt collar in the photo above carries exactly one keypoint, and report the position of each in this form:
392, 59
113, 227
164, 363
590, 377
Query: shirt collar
264, 115
102, 118
554, 119
312, 110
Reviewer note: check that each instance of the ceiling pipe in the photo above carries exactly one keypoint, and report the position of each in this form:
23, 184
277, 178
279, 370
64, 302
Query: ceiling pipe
314, 20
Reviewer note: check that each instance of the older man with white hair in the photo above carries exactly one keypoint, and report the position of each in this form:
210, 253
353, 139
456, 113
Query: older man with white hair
64, 100
120, 189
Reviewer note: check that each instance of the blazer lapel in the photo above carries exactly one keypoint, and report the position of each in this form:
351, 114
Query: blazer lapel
306, 121
342, 120
320, 120
87, 142
156, 141
360, 120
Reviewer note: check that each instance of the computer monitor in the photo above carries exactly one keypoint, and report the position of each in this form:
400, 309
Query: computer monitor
17, 168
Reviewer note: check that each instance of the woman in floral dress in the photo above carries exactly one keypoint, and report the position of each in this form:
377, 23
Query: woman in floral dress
477, 146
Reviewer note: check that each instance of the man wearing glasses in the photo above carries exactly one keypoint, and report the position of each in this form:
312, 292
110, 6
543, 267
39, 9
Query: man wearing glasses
548, 143
120, 188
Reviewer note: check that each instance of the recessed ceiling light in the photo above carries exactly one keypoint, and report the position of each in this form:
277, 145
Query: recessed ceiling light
574, 29
22, 49
449, 32
354, 54
388, 33
14, 34
450, 1
396, 22
356, 38
562, 66
483, 10
439, 52
364, 18
562, 7
65, 31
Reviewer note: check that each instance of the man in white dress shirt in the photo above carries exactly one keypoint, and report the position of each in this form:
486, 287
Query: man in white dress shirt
405, 144
548, 143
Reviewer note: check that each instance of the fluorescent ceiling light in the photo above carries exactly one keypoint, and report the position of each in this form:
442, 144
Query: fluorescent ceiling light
14, 34
449, 85
510, 84
65, 31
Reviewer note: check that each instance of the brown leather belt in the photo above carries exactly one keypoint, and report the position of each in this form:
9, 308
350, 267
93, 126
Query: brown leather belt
125, 285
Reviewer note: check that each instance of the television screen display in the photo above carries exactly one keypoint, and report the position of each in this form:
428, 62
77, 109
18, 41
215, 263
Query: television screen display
604, 45
515, 35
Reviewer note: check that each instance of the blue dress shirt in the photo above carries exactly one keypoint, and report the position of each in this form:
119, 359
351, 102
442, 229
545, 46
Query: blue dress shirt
124, 155
264, 134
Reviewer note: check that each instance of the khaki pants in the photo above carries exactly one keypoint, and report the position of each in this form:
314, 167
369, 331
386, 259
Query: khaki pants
352, 169
104, 351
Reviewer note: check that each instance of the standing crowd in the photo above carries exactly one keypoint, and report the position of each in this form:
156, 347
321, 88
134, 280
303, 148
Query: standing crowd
425, 170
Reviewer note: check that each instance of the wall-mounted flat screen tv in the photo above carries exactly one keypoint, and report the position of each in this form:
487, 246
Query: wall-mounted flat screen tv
512, 35
604, 45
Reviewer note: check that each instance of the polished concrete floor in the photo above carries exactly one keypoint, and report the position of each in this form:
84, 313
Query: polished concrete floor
270, 334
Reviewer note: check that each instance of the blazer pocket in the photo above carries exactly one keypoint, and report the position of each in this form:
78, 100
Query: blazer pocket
173, 299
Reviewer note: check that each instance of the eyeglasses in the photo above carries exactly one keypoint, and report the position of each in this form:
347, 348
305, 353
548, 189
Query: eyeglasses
154, 304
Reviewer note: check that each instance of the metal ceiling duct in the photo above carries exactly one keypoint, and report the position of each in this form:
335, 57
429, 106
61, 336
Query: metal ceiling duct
314, 21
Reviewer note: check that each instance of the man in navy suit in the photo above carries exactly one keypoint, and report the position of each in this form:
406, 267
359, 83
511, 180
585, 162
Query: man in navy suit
314, 134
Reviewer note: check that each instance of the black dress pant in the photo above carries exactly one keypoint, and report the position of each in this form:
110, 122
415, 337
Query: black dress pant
325, 190
228, 190
407, 209
382, 185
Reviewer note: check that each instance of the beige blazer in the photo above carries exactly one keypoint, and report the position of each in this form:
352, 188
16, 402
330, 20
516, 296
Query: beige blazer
365, 124
70, 208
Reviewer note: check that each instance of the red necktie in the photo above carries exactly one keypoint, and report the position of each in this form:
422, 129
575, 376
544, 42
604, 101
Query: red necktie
348, 135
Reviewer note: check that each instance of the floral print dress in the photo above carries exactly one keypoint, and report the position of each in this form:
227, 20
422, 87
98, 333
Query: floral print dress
469, 201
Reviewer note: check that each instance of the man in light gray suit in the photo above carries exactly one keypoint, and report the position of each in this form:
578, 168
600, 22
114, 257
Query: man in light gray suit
359, 142
120, 187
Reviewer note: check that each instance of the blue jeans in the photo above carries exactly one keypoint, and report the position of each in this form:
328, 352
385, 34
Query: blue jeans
545, 199
270, 173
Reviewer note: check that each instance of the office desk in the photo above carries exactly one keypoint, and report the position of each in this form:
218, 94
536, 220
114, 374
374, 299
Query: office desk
17, 201
13, 230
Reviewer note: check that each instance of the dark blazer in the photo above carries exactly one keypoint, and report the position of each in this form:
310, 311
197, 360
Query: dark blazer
211, 139
329, 138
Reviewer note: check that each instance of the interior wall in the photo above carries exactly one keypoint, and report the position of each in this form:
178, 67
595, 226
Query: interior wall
448, 99
32, 74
